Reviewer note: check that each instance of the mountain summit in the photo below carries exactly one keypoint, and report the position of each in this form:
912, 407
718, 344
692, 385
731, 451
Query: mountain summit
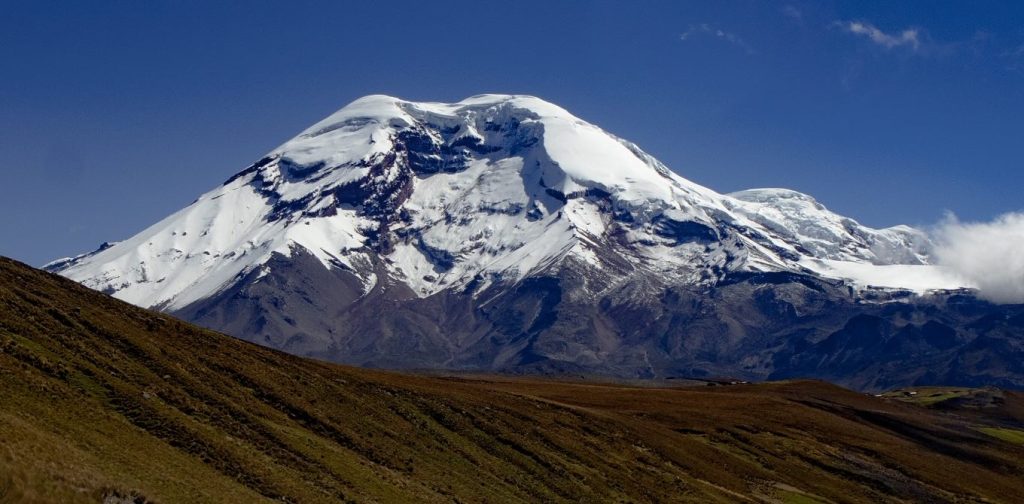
499, 232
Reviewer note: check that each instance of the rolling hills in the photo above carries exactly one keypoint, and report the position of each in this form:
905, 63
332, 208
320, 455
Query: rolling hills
100, 399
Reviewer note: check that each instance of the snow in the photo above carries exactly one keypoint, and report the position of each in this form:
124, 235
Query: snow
496, 219
485, 196
589, 157
801, 220
919, 278
199, 250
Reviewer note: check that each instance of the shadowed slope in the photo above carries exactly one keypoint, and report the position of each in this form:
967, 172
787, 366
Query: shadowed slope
98, 398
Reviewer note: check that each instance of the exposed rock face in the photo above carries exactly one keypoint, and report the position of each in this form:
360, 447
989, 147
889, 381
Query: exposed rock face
748, 326
503, 233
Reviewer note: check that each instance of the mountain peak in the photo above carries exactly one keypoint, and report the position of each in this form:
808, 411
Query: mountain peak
384, 108
564, 153
772, 194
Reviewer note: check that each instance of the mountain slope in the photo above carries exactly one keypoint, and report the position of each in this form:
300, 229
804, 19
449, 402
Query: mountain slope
103, 399
504, 233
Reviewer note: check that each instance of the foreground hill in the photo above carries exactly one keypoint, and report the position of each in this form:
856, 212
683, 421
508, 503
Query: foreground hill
102, 399
502, 233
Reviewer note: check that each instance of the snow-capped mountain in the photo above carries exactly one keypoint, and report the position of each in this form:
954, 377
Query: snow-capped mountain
391, 203
493, 187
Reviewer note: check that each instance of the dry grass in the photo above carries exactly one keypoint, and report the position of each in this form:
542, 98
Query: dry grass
100, 399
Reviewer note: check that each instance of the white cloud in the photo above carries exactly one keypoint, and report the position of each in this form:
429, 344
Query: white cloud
705, 29
988, 254
910, 37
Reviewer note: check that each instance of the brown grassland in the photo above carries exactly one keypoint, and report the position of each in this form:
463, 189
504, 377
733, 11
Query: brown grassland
103, 400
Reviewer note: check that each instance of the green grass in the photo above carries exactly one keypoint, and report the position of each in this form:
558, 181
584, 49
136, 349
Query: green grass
1015, 436
799, 498
928, 396
936, 398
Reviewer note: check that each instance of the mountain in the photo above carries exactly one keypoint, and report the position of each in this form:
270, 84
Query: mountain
107, 402
503, 233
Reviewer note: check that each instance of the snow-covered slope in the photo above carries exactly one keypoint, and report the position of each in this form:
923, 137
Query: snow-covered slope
479, 193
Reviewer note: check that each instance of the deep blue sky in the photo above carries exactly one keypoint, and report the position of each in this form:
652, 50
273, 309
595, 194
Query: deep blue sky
115, 114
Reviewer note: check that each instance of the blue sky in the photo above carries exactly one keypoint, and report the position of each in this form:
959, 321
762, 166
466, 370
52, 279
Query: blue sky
115, 114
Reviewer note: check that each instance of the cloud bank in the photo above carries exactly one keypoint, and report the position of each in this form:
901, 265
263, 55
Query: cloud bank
988, 254
910, 37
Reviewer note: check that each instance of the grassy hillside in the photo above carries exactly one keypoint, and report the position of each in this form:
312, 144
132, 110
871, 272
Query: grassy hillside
101, 399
